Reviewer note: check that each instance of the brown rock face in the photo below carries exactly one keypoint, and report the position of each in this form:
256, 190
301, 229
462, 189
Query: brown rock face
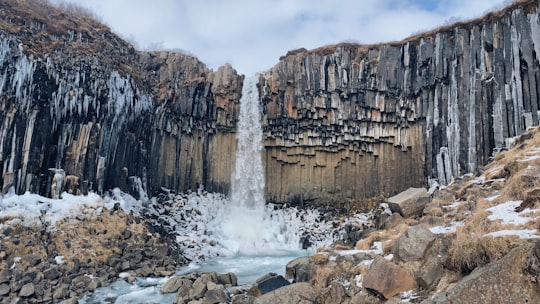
512, 279
387, 279
409, 203
361, 120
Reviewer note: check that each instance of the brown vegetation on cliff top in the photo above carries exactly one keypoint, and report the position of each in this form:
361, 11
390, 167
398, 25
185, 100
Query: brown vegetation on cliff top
362, 49
70, 29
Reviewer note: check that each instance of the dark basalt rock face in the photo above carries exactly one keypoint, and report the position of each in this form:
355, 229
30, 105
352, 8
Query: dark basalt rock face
359, 120
82, 110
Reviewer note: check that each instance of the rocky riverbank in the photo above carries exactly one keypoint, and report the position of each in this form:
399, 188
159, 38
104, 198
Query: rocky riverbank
473, 241
453, 245
46, 262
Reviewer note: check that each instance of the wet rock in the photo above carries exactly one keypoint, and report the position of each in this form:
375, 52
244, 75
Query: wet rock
413, 245
216, 295
227, 279
299, 270
174, 284
299, 293
409, 203
387, 279
198, 289
267, 283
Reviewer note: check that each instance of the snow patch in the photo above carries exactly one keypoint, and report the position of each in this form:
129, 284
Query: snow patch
446, 229
59, 259
453, 205
507, 214
522, 234
34, 210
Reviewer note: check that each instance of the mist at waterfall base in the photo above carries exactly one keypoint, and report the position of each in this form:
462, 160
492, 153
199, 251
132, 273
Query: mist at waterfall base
238, 233
256, 239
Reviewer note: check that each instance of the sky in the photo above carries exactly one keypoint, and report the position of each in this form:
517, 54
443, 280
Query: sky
251, 35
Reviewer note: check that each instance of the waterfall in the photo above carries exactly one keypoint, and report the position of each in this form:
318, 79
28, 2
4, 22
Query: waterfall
248, 180
244, 224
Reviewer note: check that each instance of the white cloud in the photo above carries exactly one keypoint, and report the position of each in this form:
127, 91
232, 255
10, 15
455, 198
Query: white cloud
251, 35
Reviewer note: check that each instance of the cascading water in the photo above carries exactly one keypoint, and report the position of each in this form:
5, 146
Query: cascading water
244, 223
240, 234
249, 227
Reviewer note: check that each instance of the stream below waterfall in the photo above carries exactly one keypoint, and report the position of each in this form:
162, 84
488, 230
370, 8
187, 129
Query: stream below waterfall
241, 234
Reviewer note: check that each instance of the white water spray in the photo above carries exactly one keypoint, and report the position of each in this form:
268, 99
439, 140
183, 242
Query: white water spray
245, 222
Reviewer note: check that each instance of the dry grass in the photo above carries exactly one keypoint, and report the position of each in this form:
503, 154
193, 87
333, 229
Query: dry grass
91, 239
387, 237
342, 272
470, 248
68, 28
519, 170
359, 51
28, 244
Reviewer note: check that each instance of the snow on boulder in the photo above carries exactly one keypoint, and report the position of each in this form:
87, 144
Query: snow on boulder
409, 203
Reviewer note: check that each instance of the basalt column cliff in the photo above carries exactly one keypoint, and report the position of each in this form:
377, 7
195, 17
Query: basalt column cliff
82, 110
359, 121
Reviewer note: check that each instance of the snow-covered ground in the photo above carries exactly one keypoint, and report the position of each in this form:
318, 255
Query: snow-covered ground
32, 209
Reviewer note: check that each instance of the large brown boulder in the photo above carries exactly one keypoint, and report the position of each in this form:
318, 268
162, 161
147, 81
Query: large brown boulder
298, 293
409, 203
512, 279
387, 279
414, 244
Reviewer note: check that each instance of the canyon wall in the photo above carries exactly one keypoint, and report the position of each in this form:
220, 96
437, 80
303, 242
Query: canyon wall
81, 110
362, 120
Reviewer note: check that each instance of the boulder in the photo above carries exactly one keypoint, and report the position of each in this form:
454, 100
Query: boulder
27, 290
175, 283
198, 289
299, 269
430, 273
267, 283
298, 293
409, 203
217, 295
242, 299
61, 292
228, 279
387, 279
51, 273
513, 278
413, 245
5, 276
335, 293
4, 289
